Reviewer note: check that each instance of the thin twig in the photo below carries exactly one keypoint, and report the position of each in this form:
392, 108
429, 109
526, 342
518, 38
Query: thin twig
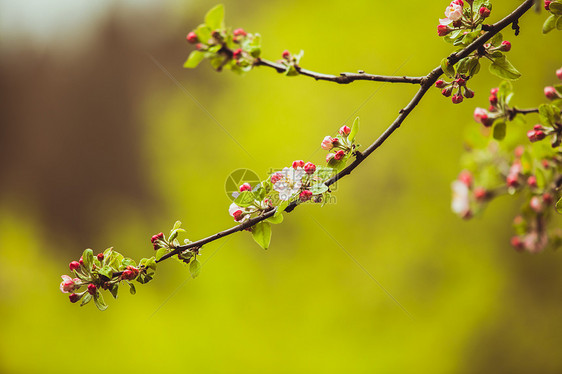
343, 78
425, 82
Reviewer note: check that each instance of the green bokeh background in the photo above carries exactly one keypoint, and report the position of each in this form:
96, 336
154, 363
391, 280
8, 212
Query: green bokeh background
325, 298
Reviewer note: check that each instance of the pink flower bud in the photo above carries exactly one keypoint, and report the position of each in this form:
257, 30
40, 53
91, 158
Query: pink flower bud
484, 12
537, 127
286, 54
517, 243
465, 177
461, 82
547, 4
511, 180
440, 83
92, 289
200, 46
276, 177
480, 115
192, 38
494, 91
506, 46
305, 195
237, 53
100, 256
457, 99
480, 193
535, 136
127, 275
309, 168
344, 130
74, 297
68, 284
559, 73
550, 93
545, 164
329, 156
240, 32
245, 187
447, 91
518, 151
237, 215
458, 2
443, 30
532, 181
547, 198
536, 204
339, 155
74, 265
468, 93
298, 164
493, 100
328, 143
81, 261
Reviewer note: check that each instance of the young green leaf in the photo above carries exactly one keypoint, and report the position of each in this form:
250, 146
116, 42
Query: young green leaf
194, 59
99, 301
194, 268
88, 258
106, 271
261, 233
318, 189
354, 130
549, 24
275, 219
448, 69
499, 130
559, 206
132, 288
502, 68
281, 208
555, 7
214, 17
245, 199
86, 299
114, 289
161, 252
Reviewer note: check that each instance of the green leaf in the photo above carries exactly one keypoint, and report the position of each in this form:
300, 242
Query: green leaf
559, 206
548, 114
558, 87
215, 17
88, 258
132, 288
245, 199
194, 268
194, 59
499, 130
161, 252
203, 33
176, 226
354, 130
86, 299
106, 271
448, 69
318, 189
281, 208
114, 289
559, 23
502, 68
128, 262
555, 8
549, 24
275, 219
505, 92
99, 301
261, 233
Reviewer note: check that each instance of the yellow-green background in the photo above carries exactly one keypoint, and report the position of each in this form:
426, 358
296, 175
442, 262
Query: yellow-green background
304, 305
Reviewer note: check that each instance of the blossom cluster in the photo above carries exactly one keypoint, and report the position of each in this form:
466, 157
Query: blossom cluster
105, 271
494, 167
460, 18
236, 49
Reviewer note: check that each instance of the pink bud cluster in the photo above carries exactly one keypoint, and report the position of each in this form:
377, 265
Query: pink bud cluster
467, 196
457, 19
537, 133
340, 147
487, 117
156, 240
457, 86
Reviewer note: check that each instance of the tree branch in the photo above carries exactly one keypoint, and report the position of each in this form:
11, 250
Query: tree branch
343, 78
425, 82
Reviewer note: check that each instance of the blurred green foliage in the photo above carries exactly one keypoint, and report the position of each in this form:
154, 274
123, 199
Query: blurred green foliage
304, 305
